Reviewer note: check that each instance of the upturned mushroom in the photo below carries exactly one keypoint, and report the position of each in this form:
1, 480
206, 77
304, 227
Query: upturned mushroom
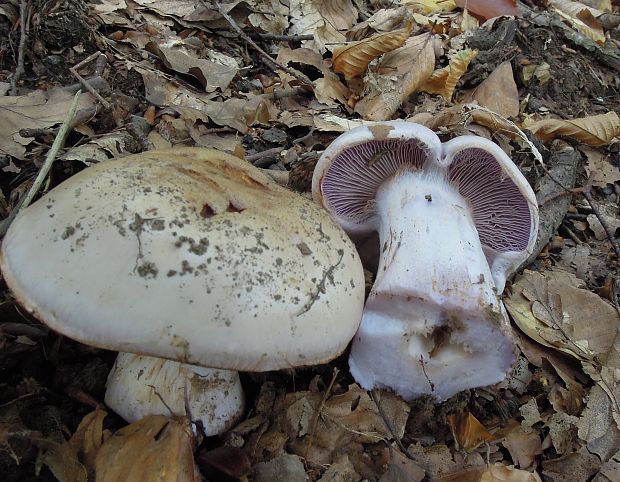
454, 221
190, 255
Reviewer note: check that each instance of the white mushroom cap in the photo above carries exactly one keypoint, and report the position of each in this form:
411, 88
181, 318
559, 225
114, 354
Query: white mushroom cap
140, 385
188, 254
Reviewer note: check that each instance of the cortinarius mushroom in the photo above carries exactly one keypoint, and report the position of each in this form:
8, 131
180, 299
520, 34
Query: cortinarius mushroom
454, 220
191, 255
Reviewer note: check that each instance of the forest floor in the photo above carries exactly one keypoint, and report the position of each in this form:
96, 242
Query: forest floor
543, 82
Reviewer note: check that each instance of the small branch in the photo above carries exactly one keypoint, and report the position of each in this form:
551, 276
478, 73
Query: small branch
286, 38
315, 420
74, 70
268, 59
274, 151
610, 234
20, 69
47, 165
374, 396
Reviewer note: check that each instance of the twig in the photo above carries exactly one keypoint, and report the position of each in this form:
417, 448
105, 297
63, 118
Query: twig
285, 38
268, 59
47, 165
374, 395
20, 69
317, 414
74, 70
610, 234
266, 153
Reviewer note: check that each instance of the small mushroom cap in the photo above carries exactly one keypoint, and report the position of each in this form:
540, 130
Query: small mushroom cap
142, 385
188, 254
505, 211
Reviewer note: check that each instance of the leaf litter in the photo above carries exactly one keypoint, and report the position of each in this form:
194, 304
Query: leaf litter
177, 73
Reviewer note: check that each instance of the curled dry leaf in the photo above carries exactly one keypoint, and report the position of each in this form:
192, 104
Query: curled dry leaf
502, 473
596, 130
580, 17
400, 73
443, 81
498, 92
467, 431
353, 58
430, 6
490, 8
154, 448
552, 309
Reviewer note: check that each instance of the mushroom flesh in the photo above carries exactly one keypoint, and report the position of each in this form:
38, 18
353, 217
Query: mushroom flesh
454, 220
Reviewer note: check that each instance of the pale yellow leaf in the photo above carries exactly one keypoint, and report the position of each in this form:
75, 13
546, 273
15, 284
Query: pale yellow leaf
443, 81
430, 6
353, 58
581, 18
597, 130
502, 473
399, 74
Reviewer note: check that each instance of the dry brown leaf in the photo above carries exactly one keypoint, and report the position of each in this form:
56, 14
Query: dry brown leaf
502, 473
599, 168
498, 92
553, 310
38, 109
580, 17
523, 447
596, 130
467, 431
329, 89
489, 9
430, 6
154, 448
353, 58
399, 74
88, 438
61, 460
443, 81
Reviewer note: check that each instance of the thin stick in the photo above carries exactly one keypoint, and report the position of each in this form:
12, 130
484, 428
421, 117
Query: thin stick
268, 59
315, 420
20, 69
285, 38
47, 165
74, 70
274, 151
610, 234
374, 395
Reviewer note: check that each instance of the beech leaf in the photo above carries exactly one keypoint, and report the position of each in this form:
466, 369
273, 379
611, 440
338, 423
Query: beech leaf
443, 81
353, 58
596, 130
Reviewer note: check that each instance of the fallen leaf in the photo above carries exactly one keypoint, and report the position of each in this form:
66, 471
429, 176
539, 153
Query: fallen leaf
490, 9
523, 447
430, 6
178, 57
38, 109
467, 431
498, 92
443, 81
399, 74
609, 212
88, 438
541, 72
154, 448
596, 425
597, 130
577, 466
599, 167
502, 473
552, 309
580, 17
353, 58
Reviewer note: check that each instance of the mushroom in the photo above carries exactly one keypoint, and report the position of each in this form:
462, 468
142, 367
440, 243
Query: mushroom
454, 221
190, 255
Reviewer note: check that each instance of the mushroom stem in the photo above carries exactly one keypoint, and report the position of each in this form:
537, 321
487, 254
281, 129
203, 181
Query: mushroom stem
143, 385
457, 336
